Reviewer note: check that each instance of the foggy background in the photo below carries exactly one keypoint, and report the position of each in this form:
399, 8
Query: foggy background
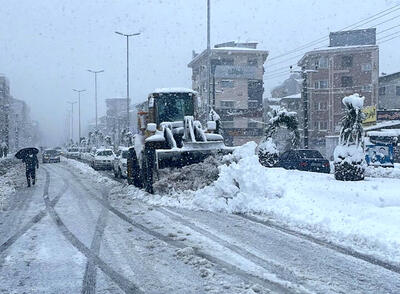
47, 46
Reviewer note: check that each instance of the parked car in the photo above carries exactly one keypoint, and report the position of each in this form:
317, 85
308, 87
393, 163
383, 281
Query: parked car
103, 159
73, 153
50, 155
304, 159
120, 162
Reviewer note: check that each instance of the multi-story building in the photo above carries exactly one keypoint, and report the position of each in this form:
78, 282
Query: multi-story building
389, 92
349, 65
4, 109
235, 90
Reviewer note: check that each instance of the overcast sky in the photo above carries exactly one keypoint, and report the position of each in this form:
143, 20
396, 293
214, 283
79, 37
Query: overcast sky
46, 46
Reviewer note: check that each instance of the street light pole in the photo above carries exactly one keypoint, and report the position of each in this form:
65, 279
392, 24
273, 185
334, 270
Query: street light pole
95, 89
72, 119
127, 73
79, 111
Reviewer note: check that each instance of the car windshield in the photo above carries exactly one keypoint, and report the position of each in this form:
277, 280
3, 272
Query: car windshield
304, 154
50, 152
174, 106
124, 154
73, 150
105, 153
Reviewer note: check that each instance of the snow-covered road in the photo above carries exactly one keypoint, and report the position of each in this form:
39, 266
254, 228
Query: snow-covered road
69, 235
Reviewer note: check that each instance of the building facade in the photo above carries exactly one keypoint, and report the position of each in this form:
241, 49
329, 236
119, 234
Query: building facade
335, 72
235, 90
389, 92
4, 109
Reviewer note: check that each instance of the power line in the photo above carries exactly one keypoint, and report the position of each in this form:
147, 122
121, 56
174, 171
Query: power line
357, 24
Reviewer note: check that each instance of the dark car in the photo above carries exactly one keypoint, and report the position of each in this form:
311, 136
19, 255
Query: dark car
50, 155
306, 160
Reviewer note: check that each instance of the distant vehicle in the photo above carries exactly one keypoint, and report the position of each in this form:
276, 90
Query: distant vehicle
120, 162
88, 154
103, 159
50, 155
59, 150
304, 159
73, 153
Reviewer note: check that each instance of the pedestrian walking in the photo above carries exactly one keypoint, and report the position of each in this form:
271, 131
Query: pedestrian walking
5, 150
31, 163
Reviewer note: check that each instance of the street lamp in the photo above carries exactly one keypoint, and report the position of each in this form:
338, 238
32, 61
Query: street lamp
127, 73
95, 88
72, 119
79, 111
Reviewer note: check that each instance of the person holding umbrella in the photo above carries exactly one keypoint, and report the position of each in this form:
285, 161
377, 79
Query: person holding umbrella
29, 157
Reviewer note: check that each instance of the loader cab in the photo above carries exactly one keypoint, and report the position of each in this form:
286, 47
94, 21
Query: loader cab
170, 106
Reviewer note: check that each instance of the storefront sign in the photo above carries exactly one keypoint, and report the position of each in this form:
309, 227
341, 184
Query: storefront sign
370, 114
388, 115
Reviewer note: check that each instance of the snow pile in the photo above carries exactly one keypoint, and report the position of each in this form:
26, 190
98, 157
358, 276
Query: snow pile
363, 215
268, 146
383, 172
352, 154
10, 179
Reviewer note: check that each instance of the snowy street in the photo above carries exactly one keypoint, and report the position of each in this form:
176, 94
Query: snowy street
67, 235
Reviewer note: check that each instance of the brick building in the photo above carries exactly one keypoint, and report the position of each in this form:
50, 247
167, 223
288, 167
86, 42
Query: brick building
335, 72
236, 88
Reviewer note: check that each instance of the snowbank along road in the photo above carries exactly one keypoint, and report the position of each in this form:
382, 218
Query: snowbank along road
68, 234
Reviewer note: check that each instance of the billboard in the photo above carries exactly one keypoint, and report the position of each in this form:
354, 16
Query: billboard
236, 71
370, 114
379, 154
388, 115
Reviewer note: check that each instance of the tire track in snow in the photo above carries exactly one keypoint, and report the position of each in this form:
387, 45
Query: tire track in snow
37, 218
272, 285
89, 279
343, 250
126, 285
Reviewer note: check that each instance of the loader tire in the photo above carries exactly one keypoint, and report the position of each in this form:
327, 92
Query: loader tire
147, 169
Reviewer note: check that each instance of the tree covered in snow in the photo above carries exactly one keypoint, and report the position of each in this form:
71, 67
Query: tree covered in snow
349, 154
268, 153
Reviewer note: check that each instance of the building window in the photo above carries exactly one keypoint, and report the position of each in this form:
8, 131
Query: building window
323, 62
321, 84
382, 90
347, 61
347, 81
227, 124
252, 61
251, 124
227, 84
366, 67
227, 104
253, 103
397, 90
255, 89
366, 88
321, 125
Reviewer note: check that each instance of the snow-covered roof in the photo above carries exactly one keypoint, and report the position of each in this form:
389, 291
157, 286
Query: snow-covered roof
385, 133
174, 90
333, 49
383, 124
294, 96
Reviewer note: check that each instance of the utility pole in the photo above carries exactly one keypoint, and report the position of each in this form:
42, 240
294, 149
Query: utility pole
72, 119
304, 95
209, 56
127, 73
79, 111
95, 88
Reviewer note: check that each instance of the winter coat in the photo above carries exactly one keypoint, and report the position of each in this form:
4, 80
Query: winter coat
31, 162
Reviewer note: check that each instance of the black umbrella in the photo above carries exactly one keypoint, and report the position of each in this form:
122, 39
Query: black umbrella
21, 154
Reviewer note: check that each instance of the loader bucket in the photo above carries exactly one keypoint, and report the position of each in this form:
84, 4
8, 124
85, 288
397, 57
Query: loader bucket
190, 153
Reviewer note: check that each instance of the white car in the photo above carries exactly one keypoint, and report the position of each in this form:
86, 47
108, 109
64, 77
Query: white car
103, 159
73, 153
120, 162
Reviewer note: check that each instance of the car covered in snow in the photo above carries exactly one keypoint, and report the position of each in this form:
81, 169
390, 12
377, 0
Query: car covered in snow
103, 159
50, 155
120, 162
73, 153
305, 160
